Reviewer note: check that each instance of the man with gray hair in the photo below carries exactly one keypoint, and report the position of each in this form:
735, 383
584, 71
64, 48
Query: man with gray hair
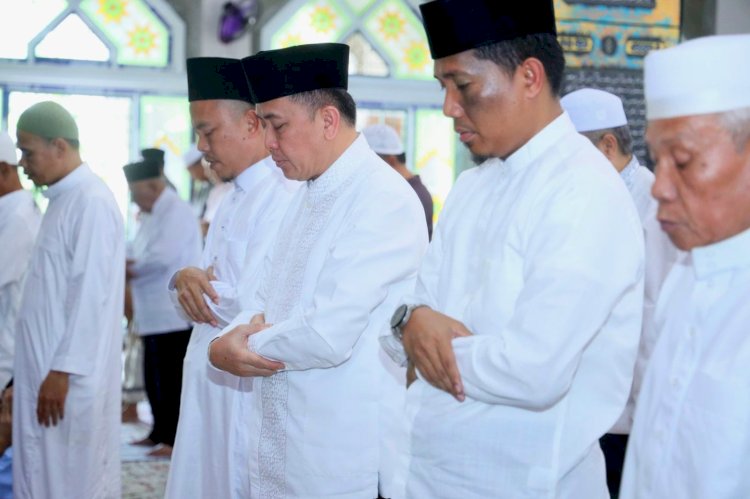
600, 116
66, 377
691, 436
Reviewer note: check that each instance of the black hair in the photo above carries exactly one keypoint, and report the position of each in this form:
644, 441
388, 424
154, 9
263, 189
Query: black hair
336, 97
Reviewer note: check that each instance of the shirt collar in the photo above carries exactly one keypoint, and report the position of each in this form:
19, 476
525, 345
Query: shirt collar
163, 200
628, 173
729, 254
253, 175
341, 169
68, 182
541, 142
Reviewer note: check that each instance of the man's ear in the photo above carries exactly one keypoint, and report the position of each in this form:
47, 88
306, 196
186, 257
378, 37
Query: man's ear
534, 76
252, 121
609, 145
60, 146
331, 121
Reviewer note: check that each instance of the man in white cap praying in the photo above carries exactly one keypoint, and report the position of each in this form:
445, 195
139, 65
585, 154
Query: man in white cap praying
386, 143
20, 219
523, 332
67, 372
600, 116
691, 433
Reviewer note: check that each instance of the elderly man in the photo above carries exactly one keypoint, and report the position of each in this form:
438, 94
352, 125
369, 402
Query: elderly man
347, 248
523, 332
208, 461
167, 240
66, 414
386, 143
600, 116
20, 223
691, 436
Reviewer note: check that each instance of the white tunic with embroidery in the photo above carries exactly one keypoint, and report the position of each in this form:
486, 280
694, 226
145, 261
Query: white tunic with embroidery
541, 257
691, 434
660, 256
71, 321
208, 459
347, 251
19, 224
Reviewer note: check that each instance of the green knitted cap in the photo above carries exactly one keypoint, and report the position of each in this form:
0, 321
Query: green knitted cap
49, 120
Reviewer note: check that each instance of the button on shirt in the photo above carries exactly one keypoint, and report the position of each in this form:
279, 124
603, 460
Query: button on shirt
168, 239
691, 434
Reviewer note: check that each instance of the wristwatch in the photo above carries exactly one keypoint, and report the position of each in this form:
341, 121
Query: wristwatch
400, 317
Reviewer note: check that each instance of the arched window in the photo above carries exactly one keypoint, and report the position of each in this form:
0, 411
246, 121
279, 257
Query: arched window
117, 65
390, 74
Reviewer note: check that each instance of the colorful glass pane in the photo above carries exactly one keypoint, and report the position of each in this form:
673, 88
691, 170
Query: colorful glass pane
435, 154
359, 6
140, 37
317, 21
23, 21
72, 39
399, 34
165, 124
105, 148
363, 59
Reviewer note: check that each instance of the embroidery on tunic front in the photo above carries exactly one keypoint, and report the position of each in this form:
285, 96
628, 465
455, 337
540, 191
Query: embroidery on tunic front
289, 265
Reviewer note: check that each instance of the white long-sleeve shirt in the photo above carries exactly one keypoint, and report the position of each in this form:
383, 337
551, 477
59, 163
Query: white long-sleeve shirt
541, 257
348, 249
19, 224
71, 321
660, 256
208, 460
691, 434
168, 239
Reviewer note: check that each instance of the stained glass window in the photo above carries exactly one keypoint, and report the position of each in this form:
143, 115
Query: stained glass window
86, 30
72, 39
165, 124
140, 37
435, 147
24, 21
390, 27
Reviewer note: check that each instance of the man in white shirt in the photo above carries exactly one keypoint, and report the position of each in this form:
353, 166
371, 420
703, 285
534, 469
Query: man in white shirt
67, 371
348, 247
523, 332
691, 433
600, 116
208, 461
19, 224
167, 240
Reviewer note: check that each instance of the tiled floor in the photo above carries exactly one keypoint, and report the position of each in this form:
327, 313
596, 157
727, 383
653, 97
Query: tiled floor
143, 477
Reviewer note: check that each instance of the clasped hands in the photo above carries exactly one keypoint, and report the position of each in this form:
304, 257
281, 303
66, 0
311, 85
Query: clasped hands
230, 352
427, 340
191, 283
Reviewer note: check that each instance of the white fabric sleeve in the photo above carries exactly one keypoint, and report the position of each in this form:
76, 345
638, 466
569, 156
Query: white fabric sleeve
93, 269
577, 266
378, 248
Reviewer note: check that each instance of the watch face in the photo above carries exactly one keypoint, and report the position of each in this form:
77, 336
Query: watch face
398, 315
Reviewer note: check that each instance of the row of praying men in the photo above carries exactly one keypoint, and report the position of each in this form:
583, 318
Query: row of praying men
537, 320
